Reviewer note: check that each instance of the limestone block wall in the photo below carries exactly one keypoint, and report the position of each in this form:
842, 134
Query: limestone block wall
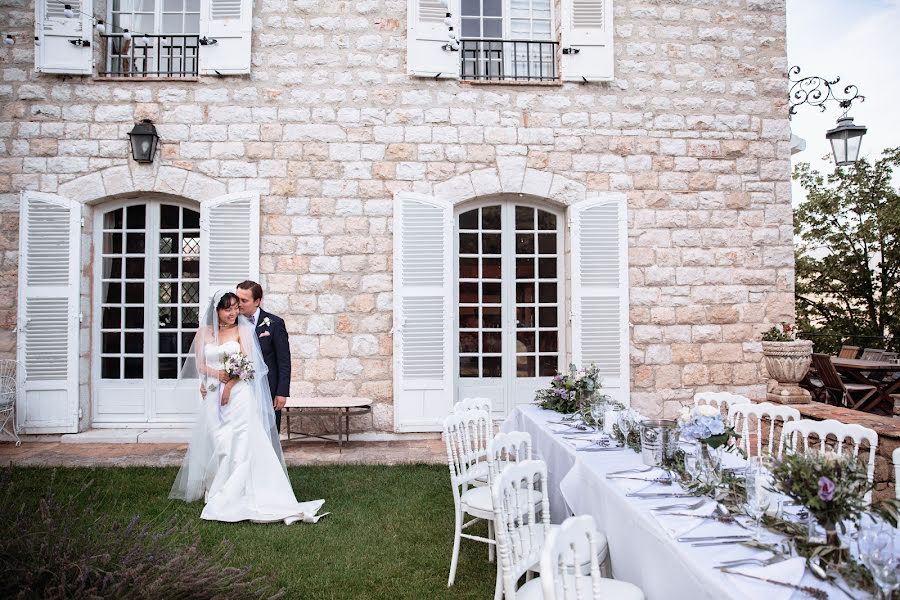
328, 127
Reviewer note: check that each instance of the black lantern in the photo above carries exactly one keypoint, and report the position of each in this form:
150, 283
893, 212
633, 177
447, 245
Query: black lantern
143, 141
845, 140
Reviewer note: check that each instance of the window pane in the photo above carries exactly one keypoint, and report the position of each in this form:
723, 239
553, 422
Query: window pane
113, 293
113, 219
525, 317
490, 268
190, 292
112, 243
112, 318
525, 366
168, 368
168, 243
490, 217
471, 28
547, 243
468, 268
190, 244
172, 23
490, 293
491, 317
134, 368
524, 218
168, 268
549, 341
468, 317
524, 292
491, 366
134, 243
168, 343
136, 217
167, 317
492, 8
492, 341
190, 317
134, 293
134, 268
547, 268
493, 28
187, 338
548, 293
471, 7
524, 341
468, 341
112, 343
168, 217
190, 268
548, 366
524, 268
165, 292
191, 219
548, 315
525, 243
468, 243
490, 243
469, 220
468, 366
468, 292
546, 220
109, 368
174, 5
112, 268
192, 24
134, 318
134, 343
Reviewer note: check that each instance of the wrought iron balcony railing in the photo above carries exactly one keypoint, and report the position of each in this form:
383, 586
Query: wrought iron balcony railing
508, 60
149, 56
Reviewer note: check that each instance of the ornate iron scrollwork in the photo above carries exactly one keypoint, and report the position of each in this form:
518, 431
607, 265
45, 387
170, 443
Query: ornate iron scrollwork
816, 91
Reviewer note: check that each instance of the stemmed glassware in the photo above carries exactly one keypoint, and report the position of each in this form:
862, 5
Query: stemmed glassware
759, 494
598, 413
876, 549
626, 423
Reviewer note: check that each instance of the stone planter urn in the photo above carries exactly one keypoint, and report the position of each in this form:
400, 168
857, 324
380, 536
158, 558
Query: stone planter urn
787, 364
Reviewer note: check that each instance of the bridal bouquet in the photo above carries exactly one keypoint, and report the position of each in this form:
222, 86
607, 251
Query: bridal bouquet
239, 365
567, 389
704, 424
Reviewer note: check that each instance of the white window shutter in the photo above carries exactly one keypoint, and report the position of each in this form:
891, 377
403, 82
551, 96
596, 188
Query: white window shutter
54, 33
48, 312
600, 291
426, 34
230, 24
423, 321
229, 242
587, 40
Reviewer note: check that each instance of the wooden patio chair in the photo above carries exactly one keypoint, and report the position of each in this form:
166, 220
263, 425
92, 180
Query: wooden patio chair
848, 351
872, 354
851, 395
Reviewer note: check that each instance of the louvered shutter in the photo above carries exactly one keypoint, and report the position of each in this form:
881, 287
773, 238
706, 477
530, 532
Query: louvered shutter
600, 291
587, 40
229, 242
230, 23
426, 33
423, 323
54, 33
48, 315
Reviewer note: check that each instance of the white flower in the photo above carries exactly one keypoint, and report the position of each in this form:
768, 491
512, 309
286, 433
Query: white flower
707, 410
267, 322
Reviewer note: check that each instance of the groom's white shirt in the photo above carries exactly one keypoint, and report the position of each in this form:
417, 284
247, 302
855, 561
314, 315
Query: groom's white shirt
256, 316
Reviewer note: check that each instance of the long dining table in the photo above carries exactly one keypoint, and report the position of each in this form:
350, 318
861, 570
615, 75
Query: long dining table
876, 373
644, 543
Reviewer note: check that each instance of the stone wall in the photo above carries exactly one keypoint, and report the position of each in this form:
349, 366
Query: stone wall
328, 127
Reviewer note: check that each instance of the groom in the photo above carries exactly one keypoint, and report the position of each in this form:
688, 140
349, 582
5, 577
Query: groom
273, 341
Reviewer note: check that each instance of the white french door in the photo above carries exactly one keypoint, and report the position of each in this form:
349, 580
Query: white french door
146, 311
509, 295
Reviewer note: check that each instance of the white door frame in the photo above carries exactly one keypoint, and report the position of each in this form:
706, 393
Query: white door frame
508, 291
151, 343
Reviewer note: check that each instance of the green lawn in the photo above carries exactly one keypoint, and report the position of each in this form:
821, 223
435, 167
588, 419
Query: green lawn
389, 535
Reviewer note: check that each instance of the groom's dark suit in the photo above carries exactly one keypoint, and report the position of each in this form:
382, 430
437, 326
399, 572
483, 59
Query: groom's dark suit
273, 341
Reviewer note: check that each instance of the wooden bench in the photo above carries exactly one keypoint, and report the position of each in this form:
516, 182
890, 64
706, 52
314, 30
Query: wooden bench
340, 407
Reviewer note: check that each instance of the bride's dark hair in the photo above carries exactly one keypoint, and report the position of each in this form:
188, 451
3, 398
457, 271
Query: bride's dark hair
227, 299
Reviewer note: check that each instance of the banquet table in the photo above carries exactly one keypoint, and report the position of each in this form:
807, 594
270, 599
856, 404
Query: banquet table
642, 543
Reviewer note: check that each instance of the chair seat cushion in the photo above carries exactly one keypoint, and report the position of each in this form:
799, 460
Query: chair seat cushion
858, 387
609, 588
479, 499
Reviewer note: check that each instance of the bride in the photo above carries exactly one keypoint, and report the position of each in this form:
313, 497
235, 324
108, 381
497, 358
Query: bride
234, 460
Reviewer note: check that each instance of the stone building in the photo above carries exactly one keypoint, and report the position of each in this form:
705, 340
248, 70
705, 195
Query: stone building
438, 206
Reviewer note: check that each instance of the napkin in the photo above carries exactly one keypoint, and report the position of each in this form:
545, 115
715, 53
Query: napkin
788, 571
677, 525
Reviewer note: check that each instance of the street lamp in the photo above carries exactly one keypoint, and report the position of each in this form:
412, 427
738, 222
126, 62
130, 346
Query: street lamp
143, 141
846, 137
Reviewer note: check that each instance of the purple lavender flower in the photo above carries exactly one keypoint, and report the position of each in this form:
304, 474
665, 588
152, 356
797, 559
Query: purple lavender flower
826, 489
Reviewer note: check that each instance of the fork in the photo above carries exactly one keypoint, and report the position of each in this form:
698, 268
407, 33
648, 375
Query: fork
682, 506
637, 470
760, 562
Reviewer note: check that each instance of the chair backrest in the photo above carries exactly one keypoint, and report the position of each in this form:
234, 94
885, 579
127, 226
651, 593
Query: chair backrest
519, 530
872, 354
476, 403
567, 549
721, 400
795, 431
888, 356
466, 435
740, 415
829, 375
895, 458
507, 448
848, 351
9, 374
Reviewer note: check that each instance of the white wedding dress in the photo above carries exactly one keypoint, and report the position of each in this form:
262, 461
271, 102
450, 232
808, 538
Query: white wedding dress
249, 482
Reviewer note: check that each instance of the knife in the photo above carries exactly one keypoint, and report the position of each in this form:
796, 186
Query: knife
712, 538
660, 495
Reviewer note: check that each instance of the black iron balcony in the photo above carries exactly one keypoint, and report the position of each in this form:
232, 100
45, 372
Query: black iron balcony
508, 60
149, 56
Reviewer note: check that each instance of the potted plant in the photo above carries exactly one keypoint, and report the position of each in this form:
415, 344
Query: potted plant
787, 361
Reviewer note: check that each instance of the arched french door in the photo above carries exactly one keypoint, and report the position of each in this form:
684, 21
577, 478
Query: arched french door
510, 269
146, 310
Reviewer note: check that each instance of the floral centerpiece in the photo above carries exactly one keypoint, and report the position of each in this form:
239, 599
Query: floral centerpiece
787, 361
832, 487
704, 424
568, 391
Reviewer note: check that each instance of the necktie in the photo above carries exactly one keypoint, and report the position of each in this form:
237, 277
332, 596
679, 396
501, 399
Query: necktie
252, 319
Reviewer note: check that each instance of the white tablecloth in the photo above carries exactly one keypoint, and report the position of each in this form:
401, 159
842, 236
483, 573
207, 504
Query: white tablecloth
642, 550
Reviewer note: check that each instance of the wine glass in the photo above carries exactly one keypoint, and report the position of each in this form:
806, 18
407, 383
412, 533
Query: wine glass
876, 549
598, 413
625, 423
759, 496
692, 464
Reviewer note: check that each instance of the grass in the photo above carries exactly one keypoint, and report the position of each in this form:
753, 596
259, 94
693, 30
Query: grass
389, 535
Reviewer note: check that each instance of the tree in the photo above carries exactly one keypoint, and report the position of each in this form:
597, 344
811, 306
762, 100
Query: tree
848, 256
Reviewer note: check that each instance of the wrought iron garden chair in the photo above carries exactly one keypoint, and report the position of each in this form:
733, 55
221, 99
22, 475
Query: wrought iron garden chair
10, 374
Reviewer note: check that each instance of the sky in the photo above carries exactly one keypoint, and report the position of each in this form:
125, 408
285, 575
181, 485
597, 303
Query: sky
858, 40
